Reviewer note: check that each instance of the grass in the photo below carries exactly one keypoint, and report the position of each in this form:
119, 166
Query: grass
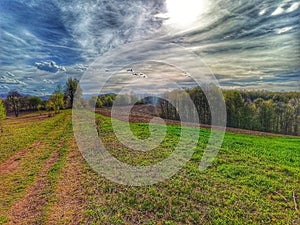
252, 180
49, 135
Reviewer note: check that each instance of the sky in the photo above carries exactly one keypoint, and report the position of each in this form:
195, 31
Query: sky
246, 44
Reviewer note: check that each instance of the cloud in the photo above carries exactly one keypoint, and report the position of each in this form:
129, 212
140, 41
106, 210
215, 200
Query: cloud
100, 27
283, 30
10, 74
238, 39
79, 67
8, 80
290, 8
48, 81
49, 66
4, 87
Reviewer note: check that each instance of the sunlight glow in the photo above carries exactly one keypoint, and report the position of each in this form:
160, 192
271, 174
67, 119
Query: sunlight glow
183, 13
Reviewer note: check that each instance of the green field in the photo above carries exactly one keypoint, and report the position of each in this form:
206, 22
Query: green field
45, 180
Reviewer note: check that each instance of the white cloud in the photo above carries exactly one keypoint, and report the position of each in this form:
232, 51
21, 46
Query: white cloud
280, 10
4, 87
10, 74
48, 81
8, 80
50, 67
293, 7
283, 30
79, 67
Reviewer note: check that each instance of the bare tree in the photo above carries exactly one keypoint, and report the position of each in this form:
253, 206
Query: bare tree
14, 100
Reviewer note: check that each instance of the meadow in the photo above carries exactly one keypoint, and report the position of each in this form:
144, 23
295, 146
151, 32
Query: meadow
45, 180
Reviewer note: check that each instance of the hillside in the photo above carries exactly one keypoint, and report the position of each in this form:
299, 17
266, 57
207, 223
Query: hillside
45, 180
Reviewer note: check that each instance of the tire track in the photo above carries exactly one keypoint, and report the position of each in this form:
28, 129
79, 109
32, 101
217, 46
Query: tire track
29, 209
13, 162
69, 208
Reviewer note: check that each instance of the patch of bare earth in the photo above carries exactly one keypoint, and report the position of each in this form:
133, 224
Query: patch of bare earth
26, 119
144, 114
29, 209
13, 162
69, 207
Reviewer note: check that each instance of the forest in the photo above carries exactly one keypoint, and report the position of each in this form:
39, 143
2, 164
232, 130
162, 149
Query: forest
275, 112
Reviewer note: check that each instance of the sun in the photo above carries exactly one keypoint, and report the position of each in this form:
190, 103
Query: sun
182, 13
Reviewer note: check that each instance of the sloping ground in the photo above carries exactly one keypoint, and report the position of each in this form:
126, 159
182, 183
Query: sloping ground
30, 208
254, 180
70, 193
144, 113
14, 161
29, 175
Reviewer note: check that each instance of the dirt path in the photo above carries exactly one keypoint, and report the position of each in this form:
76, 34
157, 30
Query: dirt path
28, 209
69, 208
13, 162
27, 118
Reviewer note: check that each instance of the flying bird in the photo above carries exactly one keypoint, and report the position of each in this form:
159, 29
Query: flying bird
137, 74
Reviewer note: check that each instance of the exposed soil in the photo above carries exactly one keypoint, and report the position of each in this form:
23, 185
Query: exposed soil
70, 192
25, 118
13, 162
30, 207
21, 113
144, 114
68, 198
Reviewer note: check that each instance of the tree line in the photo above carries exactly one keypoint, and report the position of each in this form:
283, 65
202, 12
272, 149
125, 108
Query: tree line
276, 112
61, 98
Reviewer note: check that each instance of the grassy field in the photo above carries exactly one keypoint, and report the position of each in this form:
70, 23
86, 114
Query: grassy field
45, 180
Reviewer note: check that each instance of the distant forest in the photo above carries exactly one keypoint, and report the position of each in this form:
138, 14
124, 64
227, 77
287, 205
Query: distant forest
276, 112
